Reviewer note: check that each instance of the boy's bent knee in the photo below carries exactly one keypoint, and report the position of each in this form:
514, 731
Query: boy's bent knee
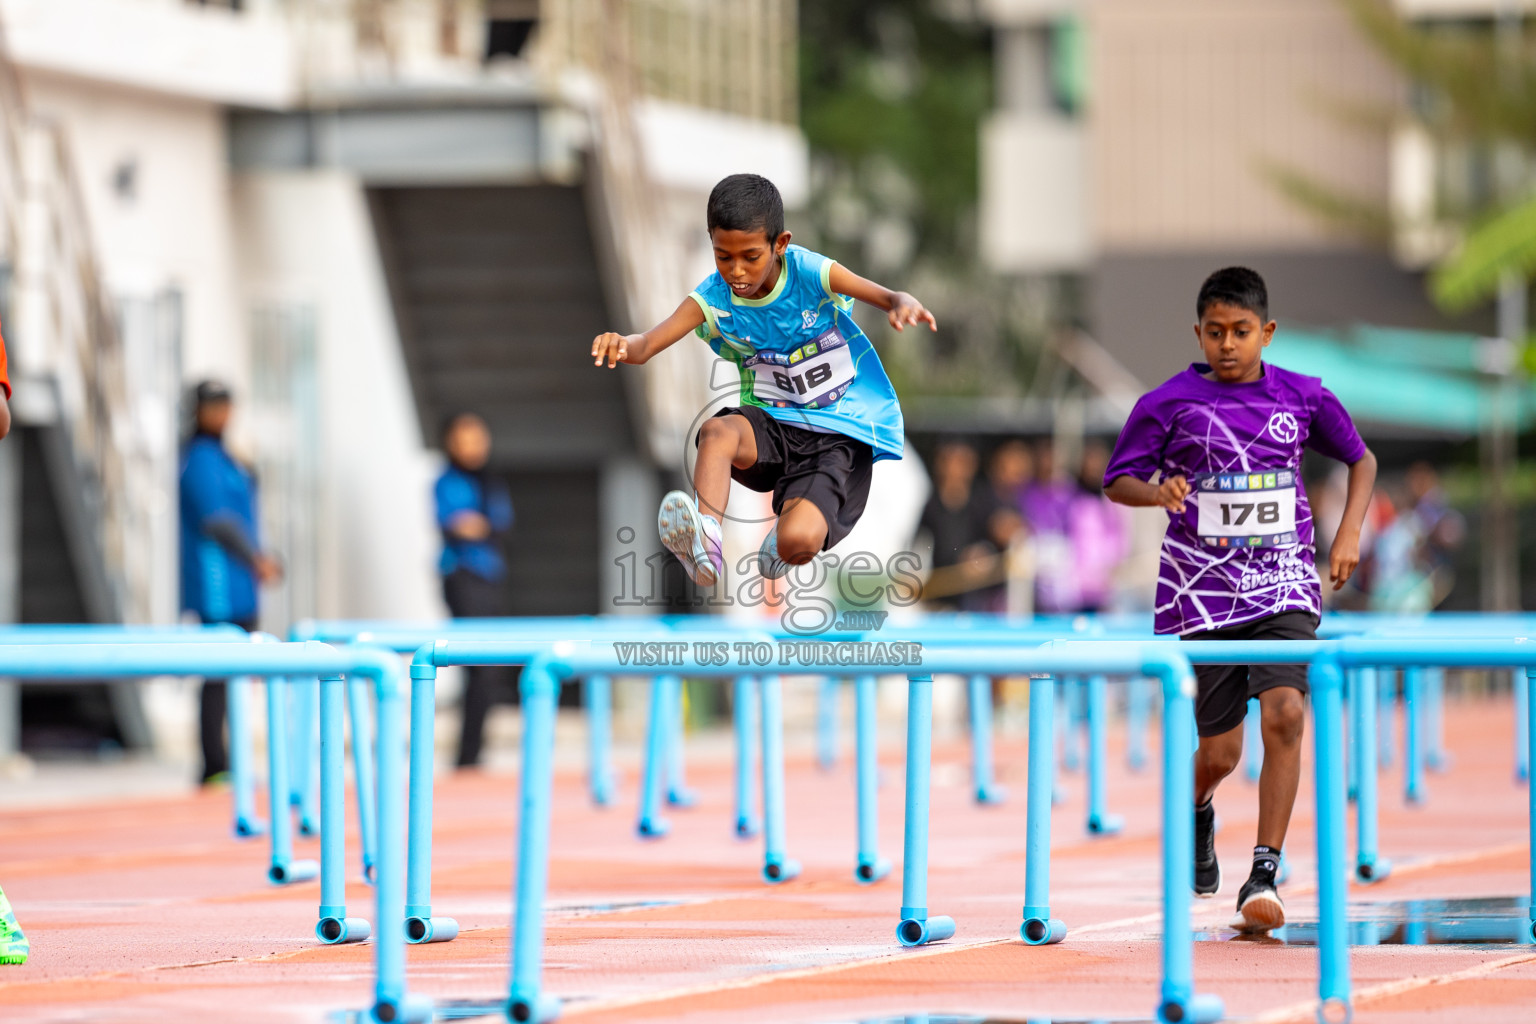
798, 544
1284, 716
1219, 754
716, 431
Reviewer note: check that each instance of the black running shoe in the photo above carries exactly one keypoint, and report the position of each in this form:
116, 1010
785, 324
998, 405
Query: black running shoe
1207, 871
1258, 905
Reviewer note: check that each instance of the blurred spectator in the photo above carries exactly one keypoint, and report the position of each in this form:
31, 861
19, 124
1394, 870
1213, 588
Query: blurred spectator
1443, 528
474, 510
1398, 581
1099, 534
1047, 505
1417, 532
221, 557
958, 518
1009, 471
5, 399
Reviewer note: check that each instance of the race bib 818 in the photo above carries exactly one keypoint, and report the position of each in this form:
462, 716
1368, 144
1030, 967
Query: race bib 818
813, 376
1246, 510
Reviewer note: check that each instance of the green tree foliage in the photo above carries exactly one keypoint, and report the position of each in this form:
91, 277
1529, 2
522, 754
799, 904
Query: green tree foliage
891, 86
1474, 92
1477, 86
892, 96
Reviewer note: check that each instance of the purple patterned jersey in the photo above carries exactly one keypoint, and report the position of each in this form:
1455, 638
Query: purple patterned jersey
1243, 547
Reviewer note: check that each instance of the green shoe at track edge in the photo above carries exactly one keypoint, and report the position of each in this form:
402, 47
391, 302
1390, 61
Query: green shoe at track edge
13, 944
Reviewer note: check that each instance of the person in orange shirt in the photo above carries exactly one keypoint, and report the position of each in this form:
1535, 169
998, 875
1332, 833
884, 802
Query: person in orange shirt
5, 385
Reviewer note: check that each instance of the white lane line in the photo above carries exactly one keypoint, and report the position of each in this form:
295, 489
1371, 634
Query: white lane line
1306, 1011
619, 1002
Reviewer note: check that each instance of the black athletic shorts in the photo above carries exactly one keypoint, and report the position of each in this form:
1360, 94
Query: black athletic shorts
1221, 699
831, 471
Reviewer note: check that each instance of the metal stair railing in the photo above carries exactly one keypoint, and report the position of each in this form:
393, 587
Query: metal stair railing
68, 362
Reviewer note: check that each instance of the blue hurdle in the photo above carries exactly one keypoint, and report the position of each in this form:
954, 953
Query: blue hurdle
76, 660
242, 780
542, 679
1329, 660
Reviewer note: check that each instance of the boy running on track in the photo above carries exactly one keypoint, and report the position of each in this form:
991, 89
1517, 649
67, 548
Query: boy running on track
816, 408
1227, 437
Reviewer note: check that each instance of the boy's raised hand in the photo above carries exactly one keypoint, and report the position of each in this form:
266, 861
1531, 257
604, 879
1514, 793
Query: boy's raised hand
1172, 492
1343, 556
907, 310
612, 347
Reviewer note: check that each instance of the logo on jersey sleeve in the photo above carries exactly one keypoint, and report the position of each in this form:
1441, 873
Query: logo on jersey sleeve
1284, 428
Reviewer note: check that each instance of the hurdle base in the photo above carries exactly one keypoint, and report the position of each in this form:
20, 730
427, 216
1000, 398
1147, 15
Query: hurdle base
776, 871
1372, 871
249, 828
1041, 929
423, 929
652, 828
533, 1009
1105, 824
682, 797
292, 872
870, 872
334, 931
919, 931
1197, 1009
1335, 1010
991, 795
412, 1009
746, 828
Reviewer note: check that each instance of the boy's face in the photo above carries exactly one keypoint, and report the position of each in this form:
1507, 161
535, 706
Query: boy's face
1233, 340
748, 260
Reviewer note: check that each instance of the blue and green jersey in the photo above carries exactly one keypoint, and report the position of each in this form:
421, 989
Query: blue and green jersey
800, 355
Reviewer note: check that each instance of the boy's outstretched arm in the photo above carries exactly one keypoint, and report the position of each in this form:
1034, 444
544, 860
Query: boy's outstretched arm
900, 308
1344, 555
637, 348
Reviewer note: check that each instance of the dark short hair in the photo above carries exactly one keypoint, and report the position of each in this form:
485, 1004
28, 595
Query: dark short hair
1235, 286
747, 202
208, 392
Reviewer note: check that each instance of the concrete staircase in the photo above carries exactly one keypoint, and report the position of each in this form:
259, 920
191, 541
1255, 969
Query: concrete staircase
498, 294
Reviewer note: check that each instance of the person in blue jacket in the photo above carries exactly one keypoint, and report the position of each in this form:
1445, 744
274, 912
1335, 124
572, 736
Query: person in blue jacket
222, 562
474, 510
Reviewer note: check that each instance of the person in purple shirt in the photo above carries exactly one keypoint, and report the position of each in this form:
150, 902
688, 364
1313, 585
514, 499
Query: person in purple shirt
1225, 438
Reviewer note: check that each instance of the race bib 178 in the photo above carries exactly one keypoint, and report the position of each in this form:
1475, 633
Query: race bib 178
1246, 510
813, 376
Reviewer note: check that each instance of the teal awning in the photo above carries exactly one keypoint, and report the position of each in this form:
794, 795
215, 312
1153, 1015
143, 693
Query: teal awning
1418, 380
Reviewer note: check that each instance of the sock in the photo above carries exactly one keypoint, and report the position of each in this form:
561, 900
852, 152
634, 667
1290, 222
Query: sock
1266, 859
1206, 809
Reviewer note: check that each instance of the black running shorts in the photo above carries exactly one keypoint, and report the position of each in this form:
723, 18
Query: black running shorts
1221, 699
831, 471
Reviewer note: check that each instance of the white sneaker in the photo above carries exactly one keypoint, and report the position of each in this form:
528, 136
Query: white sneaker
693, 537
769, 563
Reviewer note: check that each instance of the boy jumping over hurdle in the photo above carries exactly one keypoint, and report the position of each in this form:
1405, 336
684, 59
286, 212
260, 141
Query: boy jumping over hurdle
1226, 437
816, 408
